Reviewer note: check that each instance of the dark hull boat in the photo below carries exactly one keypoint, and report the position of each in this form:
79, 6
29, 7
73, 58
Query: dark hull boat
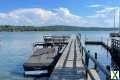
45, 55
41, 62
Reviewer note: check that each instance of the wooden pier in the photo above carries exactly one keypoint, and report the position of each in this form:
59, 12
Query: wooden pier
114, 48
65, 59
70, 65
88, 42
114, 34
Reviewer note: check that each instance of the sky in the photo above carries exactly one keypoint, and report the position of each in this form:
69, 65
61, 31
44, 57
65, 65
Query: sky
83, 13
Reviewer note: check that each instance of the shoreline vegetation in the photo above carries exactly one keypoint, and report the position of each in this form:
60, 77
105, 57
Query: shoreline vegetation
10, 28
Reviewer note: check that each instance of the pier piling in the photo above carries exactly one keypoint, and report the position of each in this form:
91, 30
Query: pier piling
95, 66
107, 76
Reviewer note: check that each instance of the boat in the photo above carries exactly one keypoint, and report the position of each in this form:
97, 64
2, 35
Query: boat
41, 62
45, 55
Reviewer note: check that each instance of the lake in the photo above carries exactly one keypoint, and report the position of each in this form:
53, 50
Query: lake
16, 47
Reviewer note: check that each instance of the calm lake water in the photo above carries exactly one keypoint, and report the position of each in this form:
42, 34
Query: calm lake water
16, 47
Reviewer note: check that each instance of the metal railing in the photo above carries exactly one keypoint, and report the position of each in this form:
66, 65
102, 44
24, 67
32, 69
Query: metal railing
86, 57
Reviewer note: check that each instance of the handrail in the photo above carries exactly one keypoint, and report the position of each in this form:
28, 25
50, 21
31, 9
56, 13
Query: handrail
101, 67
86, 53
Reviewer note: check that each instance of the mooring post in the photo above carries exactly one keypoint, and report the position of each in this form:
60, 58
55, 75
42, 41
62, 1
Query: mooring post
87, 61
44, 45
95, 66
107, 76
87, 58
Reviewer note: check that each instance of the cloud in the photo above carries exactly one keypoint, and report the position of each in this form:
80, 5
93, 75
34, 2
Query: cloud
39, 17
95, 5
107, 9
105, 16
58, 16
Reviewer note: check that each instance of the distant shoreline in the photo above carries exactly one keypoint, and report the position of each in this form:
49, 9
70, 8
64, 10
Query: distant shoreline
9, 28
57, 30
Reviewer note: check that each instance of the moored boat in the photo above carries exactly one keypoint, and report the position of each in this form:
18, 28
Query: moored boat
41, 62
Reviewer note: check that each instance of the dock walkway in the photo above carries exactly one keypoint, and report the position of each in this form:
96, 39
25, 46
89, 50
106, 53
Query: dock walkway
70, 65
66, 60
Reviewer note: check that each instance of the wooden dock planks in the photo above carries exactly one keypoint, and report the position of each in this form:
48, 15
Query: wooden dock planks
94, 74
69, 61
69, 66
60, 62
79, 62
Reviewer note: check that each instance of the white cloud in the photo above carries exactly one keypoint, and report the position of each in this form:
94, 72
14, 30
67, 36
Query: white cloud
105, 16
38, 17
95, 5
110, 12
59, 16
107, 9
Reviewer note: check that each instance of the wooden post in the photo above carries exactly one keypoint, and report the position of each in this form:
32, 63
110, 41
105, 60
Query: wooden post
107, 45
108, 68
87, 62
87, 58
44, 45
95, 66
